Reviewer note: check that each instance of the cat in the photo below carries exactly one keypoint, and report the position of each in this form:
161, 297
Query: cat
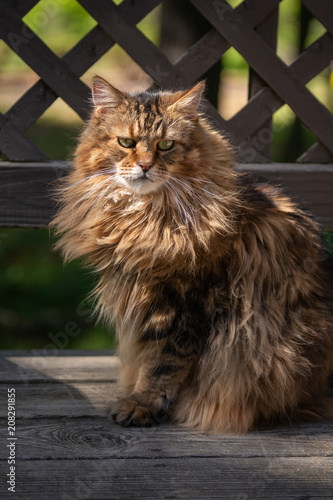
216, 284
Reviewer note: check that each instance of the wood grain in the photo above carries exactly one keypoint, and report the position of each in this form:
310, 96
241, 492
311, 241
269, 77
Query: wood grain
60, 367
66, 448
26, 189
95, 437
193, 478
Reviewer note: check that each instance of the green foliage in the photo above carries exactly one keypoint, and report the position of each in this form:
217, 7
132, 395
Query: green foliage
42, 301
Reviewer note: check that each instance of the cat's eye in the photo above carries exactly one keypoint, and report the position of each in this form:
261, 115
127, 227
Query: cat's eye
126, 142
165, 145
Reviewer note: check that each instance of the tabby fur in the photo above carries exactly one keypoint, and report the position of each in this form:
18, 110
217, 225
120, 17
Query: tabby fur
215, 284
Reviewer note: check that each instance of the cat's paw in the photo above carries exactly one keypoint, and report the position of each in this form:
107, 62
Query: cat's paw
138, 412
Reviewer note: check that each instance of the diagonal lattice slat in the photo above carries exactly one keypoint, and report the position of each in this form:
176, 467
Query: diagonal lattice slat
37, 99
275, 73
240, 28
57, 75
260, 108
87, 51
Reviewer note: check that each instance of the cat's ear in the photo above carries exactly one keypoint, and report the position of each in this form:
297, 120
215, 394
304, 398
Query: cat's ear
188, 102
105, 96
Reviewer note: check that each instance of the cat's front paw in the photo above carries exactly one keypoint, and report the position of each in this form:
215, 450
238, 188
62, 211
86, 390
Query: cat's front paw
139, 412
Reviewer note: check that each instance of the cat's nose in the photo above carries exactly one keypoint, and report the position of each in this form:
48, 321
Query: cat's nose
145, 165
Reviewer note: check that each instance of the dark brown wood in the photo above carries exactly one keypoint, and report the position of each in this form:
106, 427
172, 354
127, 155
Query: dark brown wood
80, 58
261, 106
15, 145
271, 69
203, 54
322, 11
26, 189
45, 63
119, 26
182, 26
130, 38
317, 153
25, 193
21, 7
67, 448
267, 29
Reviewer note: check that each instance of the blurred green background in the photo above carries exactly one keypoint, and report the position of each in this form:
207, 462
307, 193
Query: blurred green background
41, 299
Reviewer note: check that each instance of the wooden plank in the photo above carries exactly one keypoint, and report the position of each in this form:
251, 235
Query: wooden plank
25, 199
25, 190
311, 185
271, 69
64, 409
98, 437
67, 449
52, 399
193, 478
39, 366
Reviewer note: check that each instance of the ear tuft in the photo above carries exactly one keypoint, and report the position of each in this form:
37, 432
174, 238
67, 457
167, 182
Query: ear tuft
187, 102
105, 96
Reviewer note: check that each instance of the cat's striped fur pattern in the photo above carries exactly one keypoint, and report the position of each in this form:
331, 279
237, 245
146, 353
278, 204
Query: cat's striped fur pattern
215, 284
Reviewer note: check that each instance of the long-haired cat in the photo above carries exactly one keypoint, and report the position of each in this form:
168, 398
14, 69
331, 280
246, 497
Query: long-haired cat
216, 285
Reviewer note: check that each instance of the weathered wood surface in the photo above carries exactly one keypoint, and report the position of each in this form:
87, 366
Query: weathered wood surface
67, 448
26, 189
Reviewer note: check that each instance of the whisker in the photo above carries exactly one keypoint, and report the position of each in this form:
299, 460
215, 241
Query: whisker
91, 192
218, 211
179, 204
184, 202
193, 193
96, 174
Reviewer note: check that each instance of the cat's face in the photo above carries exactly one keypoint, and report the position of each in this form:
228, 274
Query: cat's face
147, 138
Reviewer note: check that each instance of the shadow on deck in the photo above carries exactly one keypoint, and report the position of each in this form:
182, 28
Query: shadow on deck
66, 448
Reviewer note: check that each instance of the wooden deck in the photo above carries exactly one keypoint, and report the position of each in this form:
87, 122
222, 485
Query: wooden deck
66, 448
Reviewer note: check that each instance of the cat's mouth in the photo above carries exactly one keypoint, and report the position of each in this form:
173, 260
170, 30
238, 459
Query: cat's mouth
144, 178
143, 183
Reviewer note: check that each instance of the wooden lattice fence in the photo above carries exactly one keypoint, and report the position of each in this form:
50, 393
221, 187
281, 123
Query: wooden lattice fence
250, 28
